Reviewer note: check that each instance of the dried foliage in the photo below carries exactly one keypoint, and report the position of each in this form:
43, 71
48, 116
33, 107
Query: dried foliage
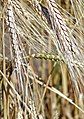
47, 34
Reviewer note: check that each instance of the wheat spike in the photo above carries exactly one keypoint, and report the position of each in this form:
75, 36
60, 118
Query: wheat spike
19, 64
67, 44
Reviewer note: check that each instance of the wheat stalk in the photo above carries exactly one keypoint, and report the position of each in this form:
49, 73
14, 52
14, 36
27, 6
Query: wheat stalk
67, 45
16, 53
33, 76
18, 62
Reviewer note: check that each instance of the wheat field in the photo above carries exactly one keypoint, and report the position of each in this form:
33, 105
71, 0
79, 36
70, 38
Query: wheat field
41, 59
